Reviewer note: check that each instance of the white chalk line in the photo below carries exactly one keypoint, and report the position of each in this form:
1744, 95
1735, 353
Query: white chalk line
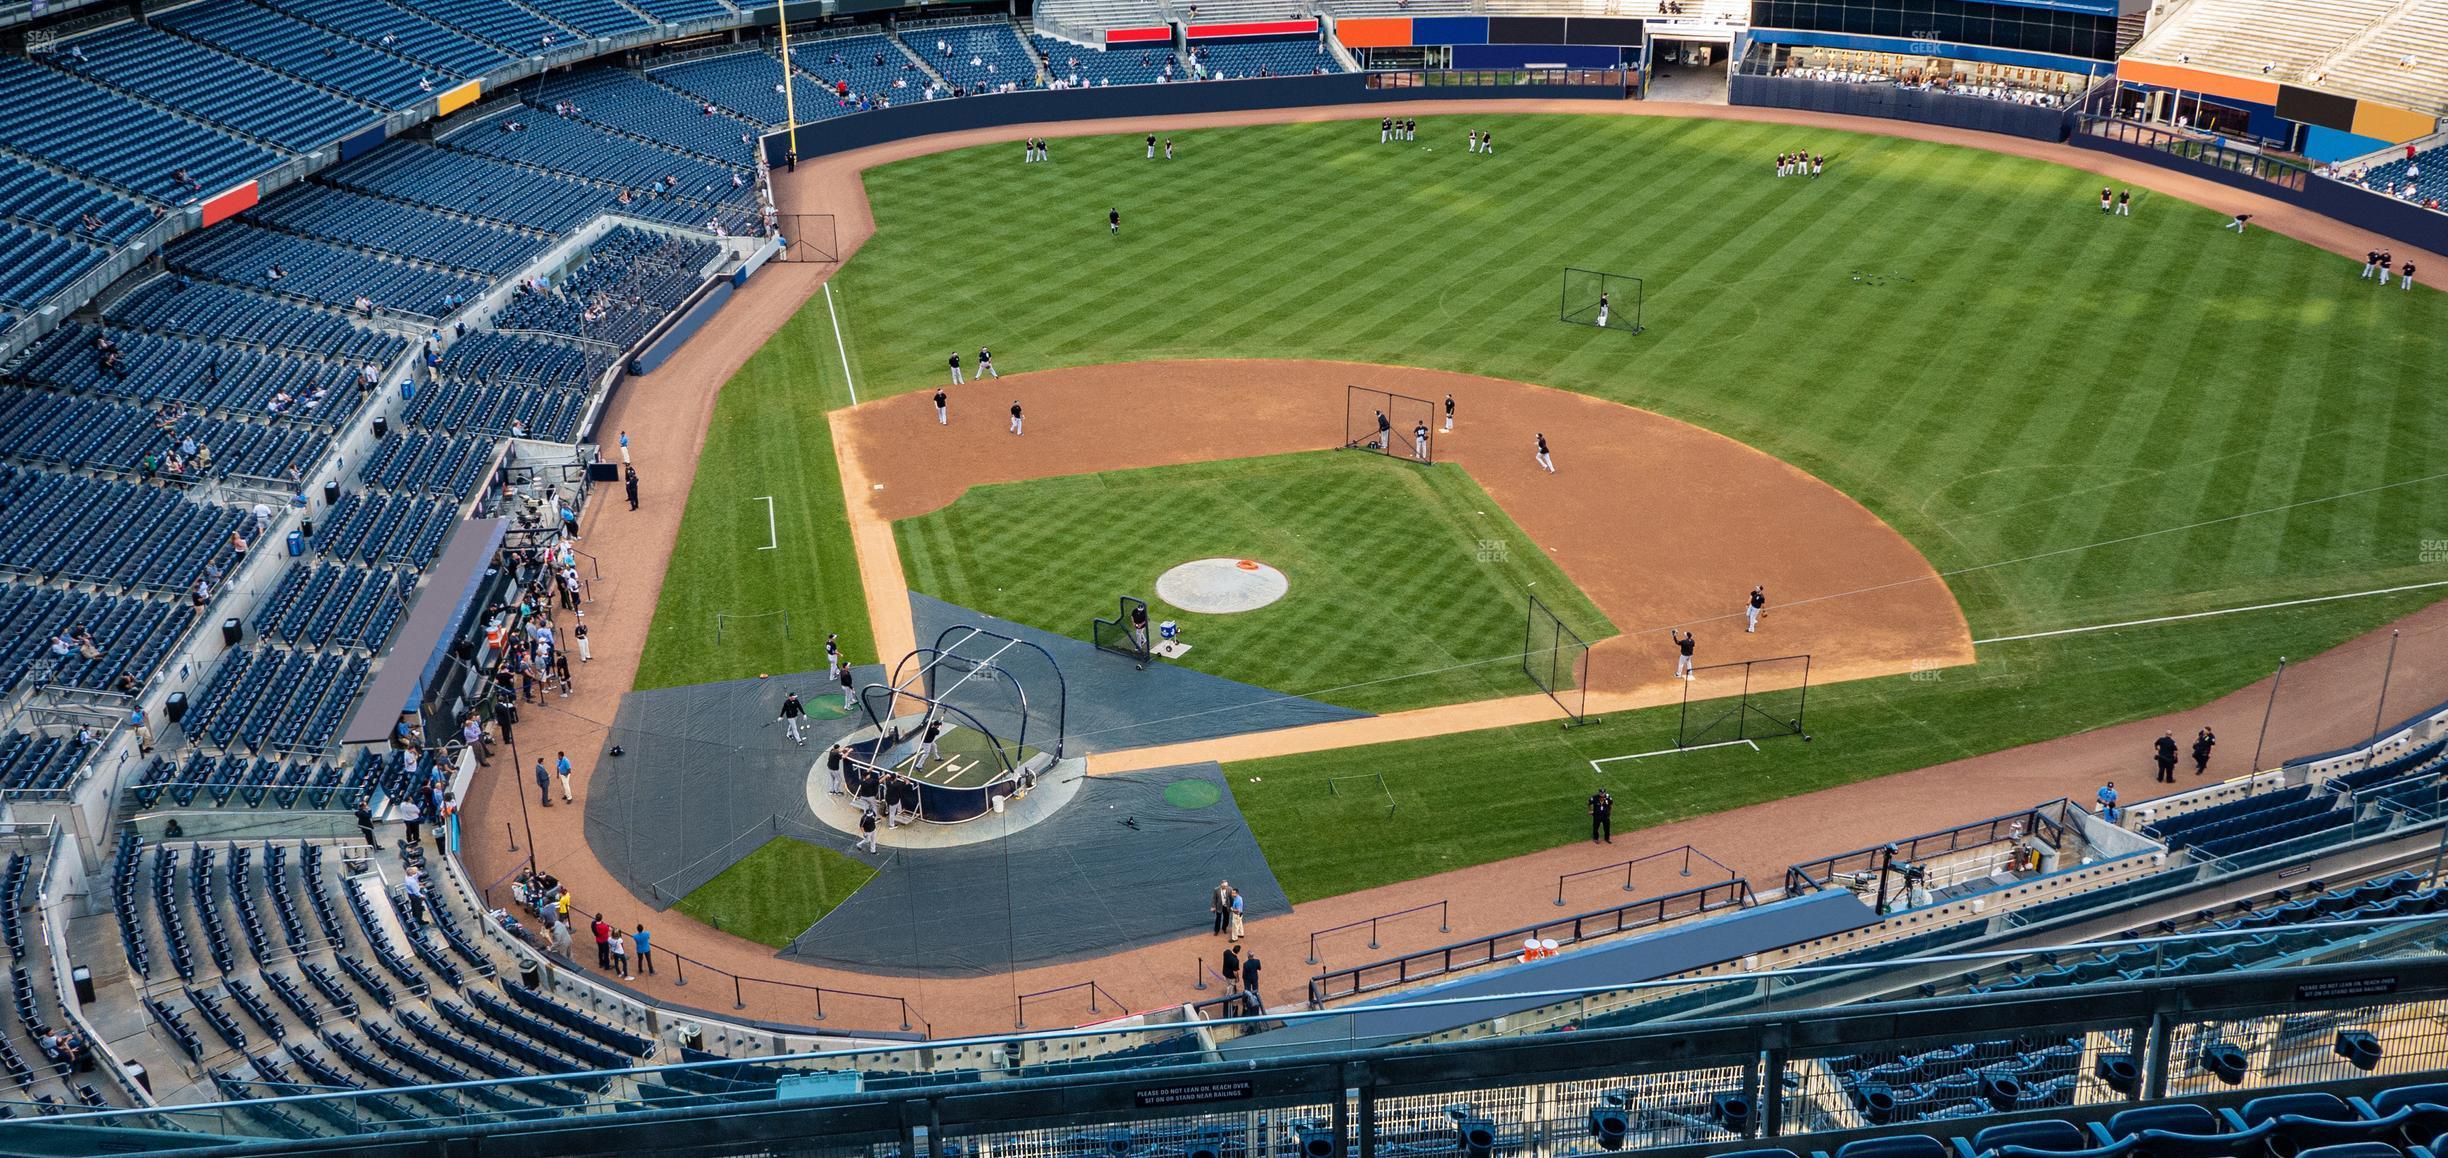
843, 350
773, 538
1594, 764
2211, 614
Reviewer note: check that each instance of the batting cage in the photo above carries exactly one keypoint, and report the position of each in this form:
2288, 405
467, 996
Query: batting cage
808, 237
1009, 690
1744, 701
1556, 658
1609, 301
1126, 634
1394, 425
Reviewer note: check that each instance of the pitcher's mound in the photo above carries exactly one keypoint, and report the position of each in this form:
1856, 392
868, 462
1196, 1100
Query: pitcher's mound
1221, 586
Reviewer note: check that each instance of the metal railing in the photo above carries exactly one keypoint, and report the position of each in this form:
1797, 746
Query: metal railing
1444, 925
1684, 853
1357, 980
2036, 823
2214, 151
1020, 1003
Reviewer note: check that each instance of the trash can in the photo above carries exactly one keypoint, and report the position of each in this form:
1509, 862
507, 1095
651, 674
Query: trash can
136, 1070
531, 974
232, 631
82, 978
331, 493
692, 1035
382, 427
297, 543
174, 708
407, 388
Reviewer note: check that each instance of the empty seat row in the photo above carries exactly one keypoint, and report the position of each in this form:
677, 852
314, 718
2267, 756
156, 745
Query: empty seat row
88, 530
130, 636
213, 86
303, 50
549, 414
386, 529
271, 699
399, 31
35, 264
416, 462
202, 779
116, 438
92, 131
320, 271
197, 374
368, 222
41, 197
227, 314
325, 603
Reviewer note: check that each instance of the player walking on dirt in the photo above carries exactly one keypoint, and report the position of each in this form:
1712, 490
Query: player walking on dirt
1758, 607
1684, 641
1544, 461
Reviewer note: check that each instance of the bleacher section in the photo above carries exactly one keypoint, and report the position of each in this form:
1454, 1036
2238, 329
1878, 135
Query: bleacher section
976, 57
319, 271
35, 264
205, 310
1242, 59
202, 780
629, 281
2422, 177
422, 234
430, 464
38, 197
335, 605
381, 529
120, 535
477, 186
871, 66
130, 636
46, 429
271, 699
112, 138
628, 103
748, 82
210, 86
303, 50
400, 32
204, 375
1079, 64
2385, 51
506, 26
663, 185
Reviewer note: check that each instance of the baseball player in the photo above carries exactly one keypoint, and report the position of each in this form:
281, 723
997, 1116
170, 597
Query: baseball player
1419, 440
943, 408
1487, 143
1411, 129
849, 693
1602, 309
1449, 411
1168, 148
833, 770
2238, 224
1028, 151
1151, 146
1474, 140
1385, 433
792, 713
2387, 259
2124, 196
2107, 201
955, 363
1757, 607
833, 660
1683, 652
1545, 462
2408, 283
926, 741
986, 364
1385, 129
2371, 261
1015, 416
1113, 221
1139, 633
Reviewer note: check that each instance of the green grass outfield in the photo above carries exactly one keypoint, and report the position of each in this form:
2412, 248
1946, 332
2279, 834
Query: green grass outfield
1393, 569
2083, 419
773, 894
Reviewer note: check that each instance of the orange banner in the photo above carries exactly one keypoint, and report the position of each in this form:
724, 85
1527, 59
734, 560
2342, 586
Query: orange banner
232, 203
458, 98
1374, 32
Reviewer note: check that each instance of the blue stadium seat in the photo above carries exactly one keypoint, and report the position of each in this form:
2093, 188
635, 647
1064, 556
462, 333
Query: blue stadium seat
210, 86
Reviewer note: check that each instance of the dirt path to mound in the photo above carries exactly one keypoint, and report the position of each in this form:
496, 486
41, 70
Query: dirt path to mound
1636, 514
2327, 702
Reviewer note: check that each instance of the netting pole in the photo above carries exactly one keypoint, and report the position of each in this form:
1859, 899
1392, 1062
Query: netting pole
1742, 719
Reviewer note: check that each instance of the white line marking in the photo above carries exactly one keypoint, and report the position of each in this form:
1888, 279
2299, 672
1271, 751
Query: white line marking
774, 539
2209, 614
843, 350
1594, 764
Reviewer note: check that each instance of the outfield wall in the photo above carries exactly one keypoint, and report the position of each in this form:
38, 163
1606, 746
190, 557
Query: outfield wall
1900, 104
926, 118
2383, 215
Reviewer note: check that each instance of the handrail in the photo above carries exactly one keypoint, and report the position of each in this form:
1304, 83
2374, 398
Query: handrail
1020, 1003
1627, 866
1497, 947
1444, 925
739, 999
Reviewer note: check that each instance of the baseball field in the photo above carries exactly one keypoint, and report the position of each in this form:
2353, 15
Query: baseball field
2077, 420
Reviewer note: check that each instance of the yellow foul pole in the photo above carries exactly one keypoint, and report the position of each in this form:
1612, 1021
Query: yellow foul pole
790, 91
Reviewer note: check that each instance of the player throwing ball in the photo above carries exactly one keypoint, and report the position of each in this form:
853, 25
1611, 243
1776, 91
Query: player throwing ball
1683, 641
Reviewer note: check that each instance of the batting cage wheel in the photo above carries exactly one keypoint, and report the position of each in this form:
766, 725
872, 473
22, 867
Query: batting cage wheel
1587, 290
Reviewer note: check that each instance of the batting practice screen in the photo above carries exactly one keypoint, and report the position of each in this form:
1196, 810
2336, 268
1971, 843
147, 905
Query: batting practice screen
1394, 425
1610, 301
1747, 700
1556, 658
1118, 636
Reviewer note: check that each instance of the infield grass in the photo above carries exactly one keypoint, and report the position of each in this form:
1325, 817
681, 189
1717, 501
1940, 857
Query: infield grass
1394, 569
773, 894
2078, 419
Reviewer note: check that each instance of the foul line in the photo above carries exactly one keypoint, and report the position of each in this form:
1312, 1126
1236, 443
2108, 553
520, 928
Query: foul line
2210, 614
843, 350
1594, 764
773, 540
